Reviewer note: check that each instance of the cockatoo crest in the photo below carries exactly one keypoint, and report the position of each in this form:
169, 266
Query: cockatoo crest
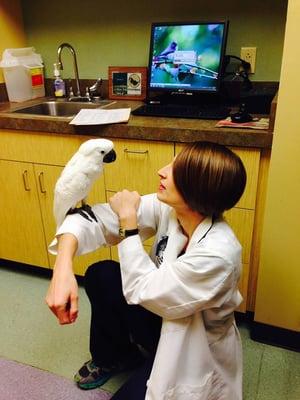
79, 174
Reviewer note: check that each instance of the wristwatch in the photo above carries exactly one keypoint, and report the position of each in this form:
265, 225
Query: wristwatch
124, 233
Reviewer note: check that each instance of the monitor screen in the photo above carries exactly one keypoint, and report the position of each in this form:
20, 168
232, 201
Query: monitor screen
186, 57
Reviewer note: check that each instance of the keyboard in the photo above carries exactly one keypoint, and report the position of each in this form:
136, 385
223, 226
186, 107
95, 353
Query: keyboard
183, 111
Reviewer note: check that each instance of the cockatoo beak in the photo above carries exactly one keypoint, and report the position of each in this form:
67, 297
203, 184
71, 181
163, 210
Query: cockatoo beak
110, 157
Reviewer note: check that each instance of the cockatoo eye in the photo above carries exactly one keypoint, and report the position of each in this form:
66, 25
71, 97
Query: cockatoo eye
102, 152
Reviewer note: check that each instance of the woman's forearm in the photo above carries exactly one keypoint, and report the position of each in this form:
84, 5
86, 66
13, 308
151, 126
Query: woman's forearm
62, 296
67, 247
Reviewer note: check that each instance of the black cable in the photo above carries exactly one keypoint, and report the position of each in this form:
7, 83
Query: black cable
245, 64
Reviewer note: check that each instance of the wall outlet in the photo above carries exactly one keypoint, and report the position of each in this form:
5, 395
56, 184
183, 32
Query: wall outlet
249, 54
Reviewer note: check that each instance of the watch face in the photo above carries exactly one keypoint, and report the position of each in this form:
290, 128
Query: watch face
121, 233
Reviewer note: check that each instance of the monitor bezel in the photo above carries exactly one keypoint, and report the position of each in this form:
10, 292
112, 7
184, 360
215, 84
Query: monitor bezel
156, 92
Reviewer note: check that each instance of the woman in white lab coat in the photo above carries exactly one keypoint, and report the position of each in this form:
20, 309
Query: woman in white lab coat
192, 284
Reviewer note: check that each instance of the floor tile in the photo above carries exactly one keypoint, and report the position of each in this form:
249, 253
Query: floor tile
294, 375
274, 375
252, 359
30, 334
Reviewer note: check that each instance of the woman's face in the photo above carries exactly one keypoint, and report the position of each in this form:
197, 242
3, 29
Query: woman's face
167, 191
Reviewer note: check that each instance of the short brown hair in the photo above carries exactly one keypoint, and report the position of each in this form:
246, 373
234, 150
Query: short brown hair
209, 177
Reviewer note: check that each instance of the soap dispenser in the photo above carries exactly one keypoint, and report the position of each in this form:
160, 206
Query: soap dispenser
59, 84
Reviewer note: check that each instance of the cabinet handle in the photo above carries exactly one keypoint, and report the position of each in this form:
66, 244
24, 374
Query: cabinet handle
25, 181
41, 182
136, 151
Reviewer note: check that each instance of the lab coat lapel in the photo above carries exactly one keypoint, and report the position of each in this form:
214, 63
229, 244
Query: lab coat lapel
176, 239
200, 232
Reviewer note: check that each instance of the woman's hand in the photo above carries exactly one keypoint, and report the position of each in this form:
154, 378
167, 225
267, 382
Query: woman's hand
62, 296
125, 205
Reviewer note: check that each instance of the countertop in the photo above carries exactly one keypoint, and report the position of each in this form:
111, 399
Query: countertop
142, 128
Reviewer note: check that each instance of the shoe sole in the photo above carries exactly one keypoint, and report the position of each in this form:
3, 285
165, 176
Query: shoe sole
93, 385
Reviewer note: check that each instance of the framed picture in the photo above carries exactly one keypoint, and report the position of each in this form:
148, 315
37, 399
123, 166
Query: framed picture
127, 83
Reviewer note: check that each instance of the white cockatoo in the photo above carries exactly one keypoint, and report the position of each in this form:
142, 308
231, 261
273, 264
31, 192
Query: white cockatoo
78, 176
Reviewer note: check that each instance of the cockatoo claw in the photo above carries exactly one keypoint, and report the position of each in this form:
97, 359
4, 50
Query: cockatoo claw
85, 207
83, 214
85, 211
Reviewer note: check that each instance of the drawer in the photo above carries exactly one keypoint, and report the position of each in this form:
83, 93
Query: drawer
137, 165
40, 148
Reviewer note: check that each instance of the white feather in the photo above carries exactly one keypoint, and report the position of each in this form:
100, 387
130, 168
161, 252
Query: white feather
78, 176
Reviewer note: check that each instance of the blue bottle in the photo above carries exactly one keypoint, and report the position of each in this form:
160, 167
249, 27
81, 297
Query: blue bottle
59, 84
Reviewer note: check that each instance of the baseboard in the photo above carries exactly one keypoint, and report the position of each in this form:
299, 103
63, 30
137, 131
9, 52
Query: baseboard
275, 336
268, 334
33, 270
242, 317
21, 267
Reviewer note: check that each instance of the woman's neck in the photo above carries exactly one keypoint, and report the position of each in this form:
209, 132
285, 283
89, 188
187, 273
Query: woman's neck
189, 220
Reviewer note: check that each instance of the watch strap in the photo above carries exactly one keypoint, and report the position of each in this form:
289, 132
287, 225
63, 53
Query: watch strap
124, 233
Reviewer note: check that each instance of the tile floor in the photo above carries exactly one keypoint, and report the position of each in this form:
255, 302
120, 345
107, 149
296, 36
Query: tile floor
30, 334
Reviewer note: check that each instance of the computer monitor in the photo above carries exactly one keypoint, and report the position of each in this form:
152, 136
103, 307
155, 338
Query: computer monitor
186, 58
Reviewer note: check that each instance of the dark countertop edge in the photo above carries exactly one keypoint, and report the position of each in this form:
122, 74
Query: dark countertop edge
239, 138
168, 130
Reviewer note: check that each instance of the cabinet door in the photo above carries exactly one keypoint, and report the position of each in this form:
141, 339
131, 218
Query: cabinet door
21, 234
243, 288
251, 160
137, 164
242, 221
46, 176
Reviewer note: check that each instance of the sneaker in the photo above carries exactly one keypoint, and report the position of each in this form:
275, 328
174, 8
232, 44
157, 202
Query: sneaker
90, 376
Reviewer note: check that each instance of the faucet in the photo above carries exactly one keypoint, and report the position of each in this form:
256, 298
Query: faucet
60, 64
94, 90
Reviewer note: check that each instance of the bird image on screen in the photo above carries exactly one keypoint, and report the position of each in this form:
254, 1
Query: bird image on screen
77, 178
186, 56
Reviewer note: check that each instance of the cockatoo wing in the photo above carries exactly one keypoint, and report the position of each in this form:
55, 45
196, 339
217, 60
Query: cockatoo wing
68, 192
79, 174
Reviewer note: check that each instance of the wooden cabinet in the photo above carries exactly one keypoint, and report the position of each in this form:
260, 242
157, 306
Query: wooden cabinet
21, 233
136, 169
47, 176
241, 221
27, 194
31, 162
241, 217
137, 164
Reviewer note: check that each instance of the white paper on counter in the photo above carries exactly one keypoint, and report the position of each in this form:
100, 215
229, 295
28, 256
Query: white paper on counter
98, 116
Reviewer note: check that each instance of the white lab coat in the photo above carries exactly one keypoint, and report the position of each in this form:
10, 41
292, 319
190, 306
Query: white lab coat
199, 352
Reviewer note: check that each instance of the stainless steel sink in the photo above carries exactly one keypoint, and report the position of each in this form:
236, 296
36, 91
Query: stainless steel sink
60, 108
